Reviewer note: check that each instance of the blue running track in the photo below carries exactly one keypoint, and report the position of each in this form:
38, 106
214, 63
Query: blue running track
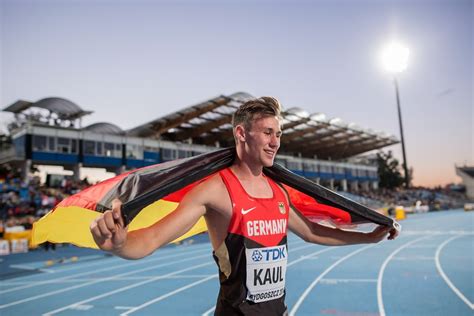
428, 270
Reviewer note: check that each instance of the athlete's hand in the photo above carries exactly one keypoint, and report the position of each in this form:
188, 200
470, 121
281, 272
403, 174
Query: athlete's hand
393, 233
380, 232
108, 229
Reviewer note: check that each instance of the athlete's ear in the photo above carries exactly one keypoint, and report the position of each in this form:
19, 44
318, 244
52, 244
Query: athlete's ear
240, 133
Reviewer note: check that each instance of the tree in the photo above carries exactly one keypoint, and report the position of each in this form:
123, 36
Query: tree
388, 171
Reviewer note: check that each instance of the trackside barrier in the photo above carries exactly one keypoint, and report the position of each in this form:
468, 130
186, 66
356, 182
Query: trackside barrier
16, 235
4, 247
400, 213
13, 246
19, 245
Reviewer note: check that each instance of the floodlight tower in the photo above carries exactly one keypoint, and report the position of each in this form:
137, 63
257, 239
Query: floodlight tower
395, 58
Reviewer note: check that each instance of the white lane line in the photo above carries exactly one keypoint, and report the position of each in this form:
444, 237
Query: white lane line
119, 265
108, 268
138, 278
294, 241
209, 311
52, 282
204, 280
131, 286
100, 261
28, 268
382, 270
32, 298
70, 278
312, 285
310, 256
183, 276
22, 267
437, 232
133, 310
123, 307
83, 307
82, 265
300, 247
337, 281
415, 258
445, 277
306, 257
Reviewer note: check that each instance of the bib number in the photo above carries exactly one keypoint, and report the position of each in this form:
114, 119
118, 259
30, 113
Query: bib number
266, 270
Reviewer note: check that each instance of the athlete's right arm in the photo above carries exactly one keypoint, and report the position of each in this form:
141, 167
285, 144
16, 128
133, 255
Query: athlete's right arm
111, 235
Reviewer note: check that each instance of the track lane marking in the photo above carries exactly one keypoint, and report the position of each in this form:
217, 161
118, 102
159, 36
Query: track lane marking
382, 270
93, 282
162, 297
118, 266
445, 277
209, 311
56, 280
301, 258
337, 281
141, 283
313, 284
124, 288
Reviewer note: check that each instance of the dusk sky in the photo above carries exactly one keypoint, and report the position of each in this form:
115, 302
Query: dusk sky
134, 61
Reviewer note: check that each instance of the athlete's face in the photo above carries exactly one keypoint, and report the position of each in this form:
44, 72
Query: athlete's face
263, 139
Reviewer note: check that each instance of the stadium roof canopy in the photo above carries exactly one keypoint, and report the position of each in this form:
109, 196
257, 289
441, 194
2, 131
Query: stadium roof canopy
308, 135
467, 170
64, 109
105, 128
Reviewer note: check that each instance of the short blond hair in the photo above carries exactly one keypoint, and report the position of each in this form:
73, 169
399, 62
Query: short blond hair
255, 109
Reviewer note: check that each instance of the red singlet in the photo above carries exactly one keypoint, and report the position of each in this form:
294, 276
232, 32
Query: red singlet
252, 259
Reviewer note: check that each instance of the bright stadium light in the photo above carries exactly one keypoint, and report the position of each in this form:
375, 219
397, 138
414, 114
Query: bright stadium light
395, 57
395, 60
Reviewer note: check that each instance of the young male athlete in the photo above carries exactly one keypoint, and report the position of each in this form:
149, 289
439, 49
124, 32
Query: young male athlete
247, 215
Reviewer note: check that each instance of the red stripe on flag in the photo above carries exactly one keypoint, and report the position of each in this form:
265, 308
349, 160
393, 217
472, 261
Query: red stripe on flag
89, 197
311, 209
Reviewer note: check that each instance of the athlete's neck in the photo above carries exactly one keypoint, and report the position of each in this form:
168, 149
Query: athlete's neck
246, 170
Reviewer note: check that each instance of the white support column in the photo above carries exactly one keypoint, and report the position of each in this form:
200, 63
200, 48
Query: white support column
375, 185
355, 186
25, 170
77, 171
344, 185
365, 185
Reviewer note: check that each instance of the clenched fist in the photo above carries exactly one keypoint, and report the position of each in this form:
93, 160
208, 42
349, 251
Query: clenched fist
108, 230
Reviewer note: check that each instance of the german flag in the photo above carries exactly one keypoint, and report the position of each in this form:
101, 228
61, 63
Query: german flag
148, 194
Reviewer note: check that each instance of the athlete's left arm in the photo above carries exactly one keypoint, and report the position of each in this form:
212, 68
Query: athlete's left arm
324, 235
319, 234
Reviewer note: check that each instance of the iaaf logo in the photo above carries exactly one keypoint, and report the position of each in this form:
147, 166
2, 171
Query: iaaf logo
268, 254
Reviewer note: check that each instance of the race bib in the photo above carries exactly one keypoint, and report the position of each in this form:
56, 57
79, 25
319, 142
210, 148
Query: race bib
266, 270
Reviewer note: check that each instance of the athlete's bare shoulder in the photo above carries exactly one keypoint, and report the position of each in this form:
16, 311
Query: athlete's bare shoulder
213, 194
207, 197
214, 182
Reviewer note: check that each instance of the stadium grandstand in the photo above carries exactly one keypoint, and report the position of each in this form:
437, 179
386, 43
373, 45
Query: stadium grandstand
50, 132
467, 175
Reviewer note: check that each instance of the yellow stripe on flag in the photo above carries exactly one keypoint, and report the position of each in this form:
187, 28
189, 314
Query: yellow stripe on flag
70, 224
